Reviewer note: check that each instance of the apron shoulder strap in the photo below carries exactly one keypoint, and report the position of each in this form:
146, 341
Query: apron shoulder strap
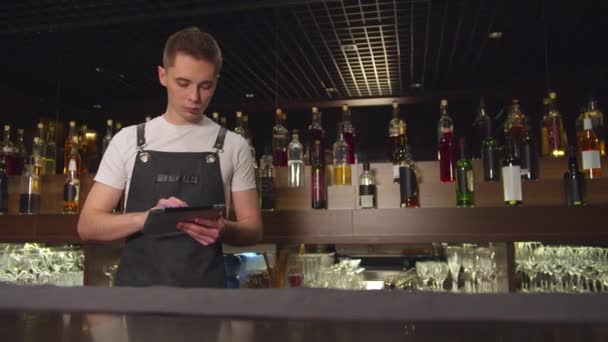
141, 135
219, 141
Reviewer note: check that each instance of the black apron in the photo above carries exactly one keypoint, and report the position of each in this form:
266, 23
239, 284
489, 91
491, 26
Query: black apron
181, 261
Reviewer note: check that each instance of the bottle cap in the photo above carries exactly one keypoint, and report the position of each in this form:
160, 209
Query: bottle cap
344, 107
109, 122
40, 125
72, 165
315, 109
72, 123
443, 103
7, 127
239, 114
587, 124
278, 111
395, 104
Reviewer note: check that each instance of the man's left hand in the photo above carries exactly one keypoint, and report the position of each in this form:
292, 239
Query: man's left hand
204, 231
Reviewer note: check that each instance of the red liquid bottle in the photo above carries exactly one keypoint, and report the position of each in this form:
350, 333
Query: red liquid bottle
280, 140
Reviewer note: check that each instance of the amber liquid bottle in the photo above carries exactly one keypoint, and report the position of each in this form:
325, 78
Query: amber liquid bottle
71, 190
590, 147
342, 169
67, 146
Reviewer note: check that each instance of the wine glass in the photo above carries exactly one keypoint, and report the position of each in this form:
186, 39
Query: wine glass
454, 256
110, 271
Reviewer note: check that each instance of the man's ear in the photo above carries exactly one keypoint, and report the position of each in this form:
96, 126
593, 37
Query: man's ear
162, 76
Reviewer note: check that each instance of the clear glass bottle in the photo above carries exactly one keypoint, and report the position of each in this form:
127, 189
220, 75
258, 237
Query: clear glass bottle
41, 145
238, 128
8, 153
408, 182
51, 151
589, 147
480, 130
22, 154
465, 186
367, 188
75, 157
511, 174
393, 133
556, 134
347, 128
515, 126
71, 190
29, 194
67, 146
295, 164
267, 185
342, 169
544, 132
280, 139
105, 142
401, 153
447, 146
318, 185
3, 188
37, 159
575, 186
315, 132
83, 149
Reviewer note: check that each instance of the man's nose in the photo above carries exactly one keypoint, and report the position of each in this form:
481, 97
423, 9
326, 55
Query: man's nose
194, 95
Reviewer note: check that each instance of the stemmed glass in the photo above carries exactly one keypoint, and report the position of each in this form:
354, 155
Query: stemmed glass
440, 272
468, 263
423, 271
454, 256
110, 271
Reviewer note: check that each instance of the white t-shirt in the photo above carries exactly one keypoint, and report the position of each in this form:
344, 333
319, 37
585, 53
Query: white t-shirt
236, 162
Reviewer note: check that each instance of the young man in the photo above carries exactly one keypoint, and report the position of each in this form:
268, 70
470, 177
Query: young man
181, 158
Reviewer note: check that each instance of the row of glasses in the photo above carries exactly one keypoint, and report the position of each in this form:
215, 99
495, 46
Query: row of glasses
479, 265
36, 264
569, 269
435, 272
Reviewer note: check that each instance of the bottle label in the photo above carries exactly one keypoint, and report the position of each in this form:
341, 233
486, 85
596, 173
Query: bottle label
318, 185
591, 160
366, 201
70, 193
395, 173
511, 183
465, 180
408, 184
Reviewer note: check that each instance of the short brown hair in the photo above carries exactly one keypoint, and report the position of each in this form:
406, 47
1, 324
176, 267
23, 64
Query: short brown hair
193, 42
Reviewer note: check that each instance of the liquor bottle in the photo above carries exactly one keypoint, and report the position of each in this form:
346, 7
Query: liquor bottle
67, 147
71, 190
75, 157
347, 128
21, 152
490, 158
3, 188
465, 186
575, 186
401, 153
105, 142
279, 140
42, 143
37, 159
51, 151
318, 184
515, 127
511, 174
117, 127
367, 188
529, 157
447, 146
408, 182
393, 134
238, 128
342, 170
589, 146
597, 123
83, 149
223, 121
29, 195
295, 164
268, 190
147, 118
544, 132
8, 153
480, 130
215, 117
315, 132
555, 129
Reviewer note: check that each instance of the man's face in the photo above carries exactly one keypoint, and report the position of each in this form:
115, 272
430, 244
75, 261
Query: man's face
190, 84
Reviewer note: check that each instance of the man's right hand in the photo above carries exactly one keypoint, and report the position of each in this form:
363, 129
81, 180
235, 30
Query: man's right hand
171, 202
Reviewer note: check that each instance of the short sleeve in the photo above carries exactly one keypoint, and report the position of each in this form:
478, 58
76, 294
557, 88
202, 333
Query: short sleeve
244, 173
112, 169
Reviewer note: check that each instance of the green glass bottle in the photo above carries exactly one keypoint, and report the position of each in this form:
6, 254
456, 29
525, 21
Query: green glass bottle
465, 184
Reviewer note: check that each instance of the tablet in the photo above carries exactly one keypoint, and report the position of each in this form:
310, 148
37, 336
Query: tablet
162, 222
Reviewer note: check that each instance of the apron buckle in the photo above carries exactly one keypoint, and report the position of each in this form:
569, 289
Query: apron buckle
211, 159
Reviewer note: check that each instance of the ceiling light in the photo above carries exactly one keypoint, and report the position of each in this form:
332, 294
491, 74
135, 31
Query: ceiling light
249, 96
495, 35
349, 47
416, 85
97, 106
99, 69
330, 90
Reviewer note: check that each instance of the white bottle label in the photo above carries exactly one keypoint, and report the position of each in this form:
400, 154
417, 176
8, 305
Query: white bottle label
395, 172
511, 183
367, 201
591, 160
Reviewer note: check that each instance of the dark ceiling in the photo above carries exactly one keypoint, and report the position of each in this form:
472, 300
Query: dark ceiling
76, 54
